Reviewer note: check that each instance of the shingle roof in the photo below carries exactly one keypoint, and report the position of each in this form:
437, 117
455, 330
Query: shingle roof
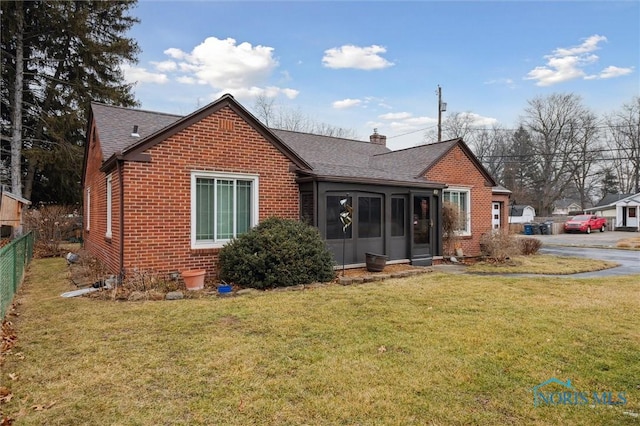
518, 209
612, 198
115, 125
329, 157
414, 161
350, 158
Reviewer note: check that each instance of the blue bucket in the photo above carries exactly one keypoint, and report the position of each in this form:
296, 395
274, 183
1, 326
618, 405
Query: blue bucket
224, 289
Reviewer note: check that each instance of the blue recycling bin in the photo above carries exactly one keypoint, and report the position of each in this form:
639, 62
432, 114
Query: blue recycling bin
528, 229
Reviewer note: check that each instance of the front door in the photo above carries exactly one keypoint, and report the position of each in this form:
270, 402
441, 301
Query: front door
495, 222
632, 217
422, 229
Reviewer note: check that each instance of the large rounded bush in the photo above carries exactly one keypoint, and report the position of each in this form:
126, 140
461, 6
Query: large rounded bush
276, 253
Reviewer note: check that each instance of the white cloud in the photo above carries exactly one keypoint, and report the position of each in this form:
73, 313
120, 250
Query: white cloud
225, 64
137, 75
612, 72
405, 122
566, 64
589, 45
228, 67
290, 93
477, 120
165, 66
502, 82
346, 103
395, 116
350, 56
186, 80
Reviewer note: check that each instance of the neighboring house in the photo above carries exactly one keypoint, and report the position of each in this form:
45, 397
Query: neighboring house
11, 213
520, 213
621, 211
165, 193
565, 207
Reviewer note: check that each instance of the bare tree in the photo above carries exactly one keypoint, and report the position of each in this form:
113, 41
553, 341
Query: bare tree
555, 125
624, 144
491, 146
455, 125
585, 157
278, 117
264, 109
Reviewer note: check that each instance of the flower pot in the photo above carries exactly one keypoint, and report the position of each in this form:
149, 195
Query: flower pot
375, 262
194, 280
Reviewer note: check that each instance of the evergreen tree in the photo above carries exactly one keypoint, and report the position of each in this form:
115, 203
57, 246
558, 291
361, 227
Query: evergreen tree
609, 182
72, 55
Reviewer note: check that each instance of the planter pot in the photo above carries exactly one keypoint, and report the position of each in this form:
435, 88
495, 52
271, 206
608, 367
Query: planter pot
375, 262
194, 280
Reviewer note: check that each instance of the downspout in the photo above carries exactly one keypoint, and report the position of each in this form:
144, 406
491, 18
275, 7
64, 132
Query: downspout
121, 250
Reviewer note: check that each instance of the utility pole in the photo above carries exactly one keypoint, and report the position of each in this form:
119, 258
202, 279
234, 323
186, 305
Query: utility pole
442, 107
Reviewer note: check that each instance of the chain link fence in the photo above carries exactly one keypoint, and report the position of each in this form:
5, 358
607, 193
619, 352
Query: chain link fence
14, 259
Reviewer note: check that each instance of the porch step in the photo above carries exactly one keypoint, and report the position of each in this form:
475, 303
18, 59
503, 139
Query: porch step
626, 229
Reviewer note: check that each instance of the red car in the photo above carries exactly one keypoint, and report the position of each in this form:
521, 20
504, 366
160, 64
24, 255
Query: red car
585, 223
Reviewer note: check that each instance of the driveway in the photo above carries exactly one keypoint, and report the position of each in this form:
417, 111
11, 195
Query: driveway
597, 245
595, 239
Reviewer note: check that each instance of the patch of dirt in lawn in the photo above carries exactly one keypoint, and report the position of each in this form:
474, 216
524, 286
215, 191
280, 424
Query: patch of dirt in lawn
388, 269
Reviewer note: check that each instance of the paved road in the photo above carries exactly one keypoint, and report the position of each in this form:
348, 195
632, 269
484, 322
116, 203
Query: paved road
598, 245
629, 260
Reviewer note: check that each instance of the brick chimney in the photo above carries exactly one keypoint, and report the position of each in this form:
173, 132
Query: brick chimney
377, 138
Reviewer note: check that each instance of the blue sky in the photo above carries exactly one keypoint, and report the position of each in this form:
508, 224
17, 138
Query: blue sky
364, 64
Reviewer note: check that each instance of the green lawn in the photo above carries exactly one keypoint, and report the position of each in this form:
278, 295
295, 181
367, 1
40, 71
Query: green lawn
432, 349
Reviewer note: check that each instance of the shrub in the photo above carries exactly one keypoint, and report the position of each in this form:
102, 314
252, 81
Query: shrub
529, 246
499, 245
450, 223
276, 253
51, 225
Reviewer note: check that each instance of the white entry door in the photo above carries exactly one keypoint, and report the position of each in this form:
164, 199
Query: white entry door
496, 216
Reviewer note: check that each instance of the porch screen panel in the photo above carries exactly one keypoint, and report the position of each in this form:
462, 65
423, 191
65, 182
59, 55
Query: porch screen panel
204, 209
398, 216
224, 209
243, 210
334, 226
306, 209
369, 217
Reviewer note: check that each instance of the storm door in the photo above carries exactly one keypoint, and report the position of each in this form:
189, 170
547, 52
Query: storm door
422, 229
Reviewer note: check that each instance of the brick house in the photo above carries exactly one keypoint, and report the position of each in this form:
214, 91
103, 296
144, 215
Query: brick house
165, 192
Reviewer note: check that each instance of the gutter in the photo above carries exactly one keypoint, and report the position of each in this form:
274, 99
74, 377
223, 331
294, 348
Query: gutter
121, 243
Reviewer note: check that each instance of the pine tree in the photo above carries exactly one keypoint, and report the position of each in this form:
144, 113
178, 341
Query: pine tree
73, 51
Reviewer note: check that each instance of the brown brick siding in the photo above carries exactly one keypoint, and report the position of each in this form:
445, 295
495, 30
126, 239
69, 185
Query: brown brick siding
95, 242
458, 170
157, 199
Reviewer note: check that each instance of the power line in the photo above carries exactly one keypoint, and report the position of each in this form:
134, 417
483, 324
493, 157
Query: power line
509, 129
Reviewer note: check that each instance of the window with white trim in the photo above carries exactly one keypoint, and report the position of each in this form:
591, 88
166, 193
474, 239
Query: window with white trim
223, 206
109, 200
461, 199
88, 210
